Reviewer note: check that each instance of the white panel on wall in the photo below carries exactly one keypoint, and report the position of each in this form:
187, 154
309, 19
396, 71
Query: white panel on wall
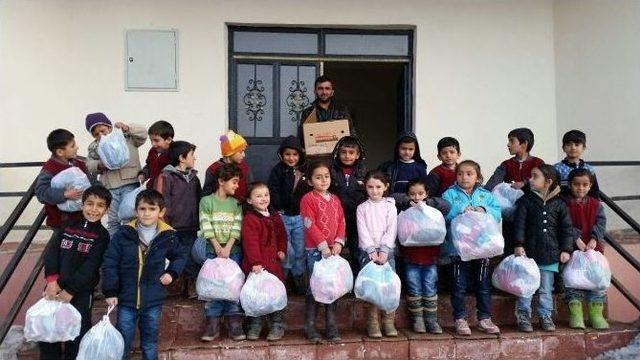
152, 60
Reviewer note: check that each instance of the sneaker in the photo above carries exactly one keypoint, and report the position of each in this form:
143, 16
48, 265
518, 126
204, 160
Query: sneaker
487, 326
462, 327
546, 323
524, 321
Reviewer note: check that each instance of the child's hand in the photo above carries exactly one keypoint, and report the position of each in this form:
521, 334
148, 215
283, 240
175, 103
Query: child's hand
121, 125
64, 296
564, 257
479, 209
592, 244
326, 252
336, 249
166, 279
112, 301
52, 290
281, 255
73, 194
382, 258
373, 256
518, 251
581, 245
225, 252
518, 185
256, 268
468, 208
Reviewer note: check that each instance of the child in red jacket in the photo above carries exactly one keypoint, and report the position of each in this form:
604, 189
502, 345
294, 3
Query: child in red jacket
264, 245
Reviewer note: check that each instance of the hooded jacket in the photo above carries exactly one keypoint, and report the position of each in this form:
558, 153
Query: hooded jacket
391, 168
182, 193
282, 180
350, 190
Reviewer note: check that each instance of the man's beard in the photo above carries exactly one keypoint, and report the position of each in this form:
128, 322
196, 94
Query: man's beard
325, 101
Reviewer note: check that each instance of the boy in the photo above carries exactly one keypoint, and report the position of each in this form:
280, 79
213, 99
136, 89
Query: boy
574, 143
71, 266
232, 148
120, 181
347, 174
161, 135
220, 222
64, 150
283, 180
516, 170
179, 185
134, 274
444, 175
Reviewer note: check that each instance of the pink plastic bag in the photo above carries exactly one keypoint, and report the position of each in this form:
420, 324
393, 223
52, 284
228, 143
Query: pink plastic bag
331, 279
587, 270
219, 279
517, 275
476, 235
421, 225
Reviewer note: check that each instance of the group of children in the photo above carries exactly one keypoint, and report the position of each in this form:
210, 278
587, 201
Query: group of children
308, 210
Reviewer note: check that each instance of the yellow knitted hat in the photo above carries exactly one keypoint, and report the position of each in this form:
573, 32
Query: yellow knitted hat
231, 143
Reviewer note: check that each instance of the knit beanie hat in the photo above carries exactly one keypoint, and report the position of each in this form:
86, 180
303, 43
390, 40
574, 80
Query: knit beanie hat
231, 143
96, 119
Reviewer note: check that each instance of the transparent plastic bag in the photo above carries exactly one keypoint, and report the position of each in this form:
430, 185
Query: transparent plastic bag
127, 208
52, 321
331, 279
71, 178
378, 285
587, 270
476, 235
421, 225
219, 279
113, 149
506, 196
263, 293
103, 341
517, 275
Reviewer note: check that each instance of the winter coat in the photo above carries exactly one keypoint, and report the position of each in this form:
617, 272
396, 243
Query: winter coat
391, 169
181, 194
350, 190
262, 238
282, 180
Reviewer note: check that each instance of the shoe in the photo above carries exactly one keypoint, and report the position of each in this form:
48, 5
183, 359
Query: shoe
576, 317
310, 320
331, 330
414, 304
462, 327
487, 326
373, 325
276, 326
546, 323
234, 327
254, 327
430, 309
596, 319
524, 321
388, 324
212, 331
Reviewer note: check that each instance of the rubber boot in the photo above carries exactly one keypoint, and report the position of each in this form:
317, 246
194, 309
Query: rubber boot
388, 324
596, 318
576, 318
373, 325
276, 326
310, 308
430, 306
234, 327
212, 331
330, 327
254, 327
414, 303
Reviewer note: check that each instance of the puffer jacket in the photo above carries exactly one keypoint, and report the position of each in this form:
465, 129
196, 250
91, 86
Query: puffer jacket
182, 193
282, 180
351, 190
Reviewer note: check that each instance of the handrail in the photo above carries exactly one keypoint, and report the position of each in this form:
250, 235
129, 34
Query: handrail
623, 252
614, 163
625, 292
19, 209
618, 210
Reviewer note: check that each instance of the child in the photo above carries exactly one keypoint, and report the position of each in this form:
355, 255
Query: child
589, 224
120, 181
543, 232
64, 151
232, 148
444, 175
324, 236
71, 266
283, 181
347, 175
179, 185
220, 221
377, 227
161, 134
407, 164
421, 269
264, 245
135, 277
469, 195
574, 143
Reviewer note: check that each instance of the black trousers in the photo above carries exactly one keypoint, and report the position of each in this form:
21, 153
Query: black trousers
54, 351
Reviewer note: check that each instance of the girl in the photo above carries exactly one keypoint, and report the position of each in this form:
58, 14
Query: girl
542, 231
324, 235
589, 222
468, 195
264, 245
376, 219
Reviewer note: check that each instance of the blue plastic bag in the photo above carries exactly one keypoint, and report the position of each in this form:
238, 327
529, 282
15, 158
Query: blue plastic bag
378, 285
127, 209
71, 178
113, 150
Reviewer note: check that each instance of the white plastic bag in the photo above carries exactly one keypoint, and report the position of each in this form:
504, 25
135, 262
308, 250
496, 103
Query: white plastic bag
71, 178
52, 321
476, 235
113, 149
219, 279
587, 270
378, 285
331, 279
421, 225
103, 341
263, 293
127, 208
506, 196
517, 275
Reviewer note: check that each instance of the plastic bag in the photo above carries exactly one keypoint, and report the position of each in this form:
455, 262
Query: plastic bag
113, 150
199, 250
421, 225
517, 275
378, 285
127, 208
587, 270
71, 178
52, 321
506, 196
263, 293
219, 279
476, 235
331, 279
103, 341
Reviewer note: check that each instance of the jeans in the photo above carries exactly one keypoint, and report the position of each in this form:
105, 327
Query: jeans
217, 308
187, 238
148, 320
475, 273
421, 280
113, 221
364, 259
294, 228
545, 296
312, 256
590, 295
53, 351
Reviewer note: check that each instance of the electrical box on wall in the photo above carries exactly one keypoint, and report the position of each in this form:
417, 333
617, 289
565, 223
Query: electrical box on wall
151, 60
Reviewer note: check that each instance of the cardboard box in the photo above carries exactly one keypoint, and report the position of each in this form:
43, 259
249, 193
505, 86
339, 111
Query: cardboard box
321, 137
